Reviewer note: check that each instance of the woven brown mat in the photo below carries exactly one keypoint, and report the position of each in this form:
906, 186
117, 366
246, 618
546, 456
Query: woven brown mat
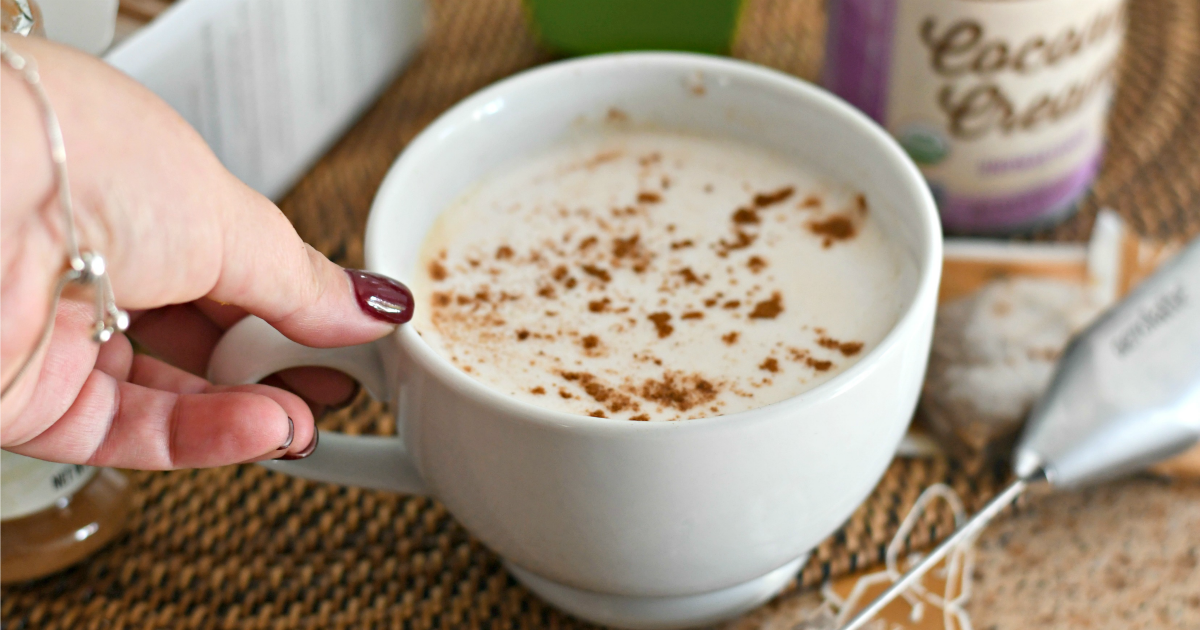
241, 547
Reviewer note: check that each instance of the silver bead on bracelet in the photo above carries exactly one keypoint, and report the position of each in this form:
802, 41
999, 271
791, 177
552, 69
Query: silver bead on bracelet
83, 267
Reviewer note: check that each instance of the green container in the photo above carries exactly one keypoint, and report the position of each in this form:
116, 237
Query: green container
583, 27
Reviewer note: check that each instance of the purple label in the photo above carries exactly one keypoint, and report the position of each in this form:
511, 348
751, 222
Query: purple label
962, 213
858, 53
976, 123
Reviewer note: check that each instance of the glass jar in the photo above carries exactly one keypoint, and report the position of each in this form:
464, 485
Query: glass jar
1003, 105
54, 515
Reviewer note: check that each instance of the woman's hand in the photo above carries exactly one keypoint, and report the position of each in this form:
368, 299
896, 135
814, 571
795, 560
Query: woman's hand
190, 250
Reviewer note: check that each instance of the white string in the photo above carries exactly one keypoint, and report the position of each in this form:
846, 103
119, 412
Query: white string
834, 611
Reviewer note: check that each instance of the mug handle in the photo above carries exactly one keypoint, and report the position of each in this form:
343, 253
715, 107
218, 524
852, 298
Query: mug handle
252, 349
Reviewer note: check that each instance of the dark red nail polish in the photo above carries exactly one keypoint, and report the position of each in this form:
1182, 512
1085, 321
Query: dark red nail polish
291, 434
312, 446
349, 400
381, 297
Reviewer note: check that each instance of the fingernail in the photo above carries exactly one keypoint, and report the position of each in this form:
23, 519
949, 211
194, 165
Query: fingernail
312, 446
381, 297
291, 434
349, 400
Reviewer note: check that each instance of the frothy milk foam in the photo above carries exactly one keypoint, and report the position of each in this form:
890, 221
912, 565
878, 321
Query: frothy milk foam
651, 275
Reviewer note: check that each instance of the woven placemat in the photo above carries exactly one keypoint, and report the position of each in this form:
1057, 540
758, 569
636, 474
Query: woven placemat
241, 547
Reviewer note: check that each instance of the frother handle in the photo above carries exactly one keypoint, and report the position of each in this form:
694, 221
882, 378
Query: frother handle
252, 349
1126, 393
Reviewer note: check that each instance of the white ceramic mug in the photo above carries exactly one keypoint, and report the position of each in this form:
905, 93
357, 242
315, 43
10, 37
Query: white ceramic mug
639, 524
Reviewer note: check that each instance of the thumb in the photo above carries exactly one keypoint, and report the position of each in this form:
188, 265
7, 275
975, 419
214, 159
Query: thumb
270, 272
176, 225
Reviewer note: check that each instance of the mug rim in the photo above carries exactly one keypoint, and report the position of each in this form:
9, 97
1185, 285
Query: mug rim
831, 106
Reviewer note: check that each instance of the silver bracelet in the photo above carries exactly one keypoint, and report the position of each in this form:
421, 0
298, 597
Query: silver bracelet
25, 22
83, 267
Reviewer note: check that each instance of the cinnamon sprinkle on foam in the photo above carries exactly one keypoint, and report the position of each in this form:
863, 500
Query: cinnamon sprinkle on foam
543, 283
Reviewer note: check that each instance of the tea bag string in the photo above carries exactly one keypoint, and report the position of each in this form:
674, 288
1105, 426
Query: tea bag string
834, 611
958, 543
83, 267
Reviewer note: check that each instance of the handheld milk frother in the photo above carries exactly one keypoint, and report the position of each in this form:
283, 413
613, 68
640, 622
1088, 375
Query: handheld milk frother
1125, 395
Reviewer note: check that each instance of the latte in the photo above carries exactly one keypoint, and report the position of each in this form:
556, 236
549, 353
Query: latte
651, 275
